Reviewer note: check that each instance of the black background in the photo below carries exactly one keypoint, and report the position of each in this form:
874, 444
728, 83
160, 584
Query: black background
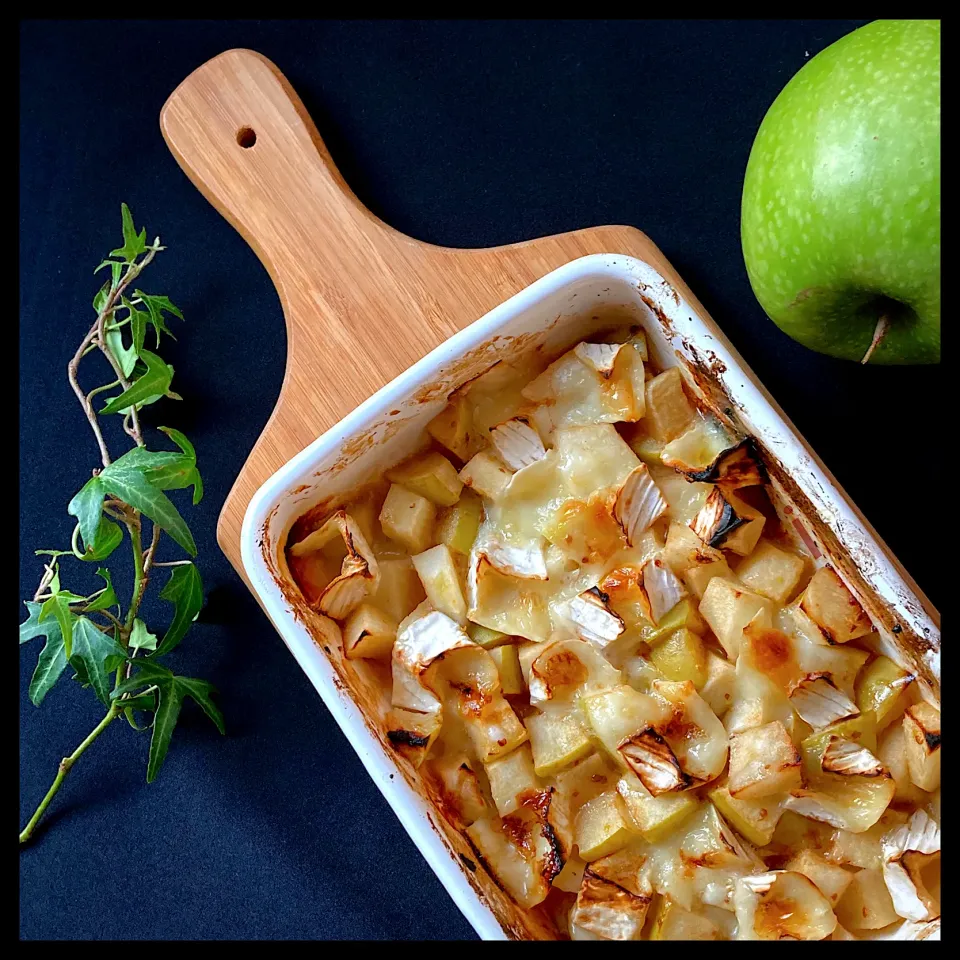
467, 134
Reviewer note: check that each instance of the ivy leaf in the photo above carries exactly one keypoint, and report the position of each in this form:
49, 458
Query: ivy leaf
141, 638
58, 607
200, 692
101, 297
87, 507
50, 665
109, 537
32, 626
182, 472
149, 673
156, 307
96, 652
184, 590
128, 482
145, 702
171, 692
170, 699
125, 356
142, 701
138, 327
106, 599
147, 460
133, 243
53, 658
152, 384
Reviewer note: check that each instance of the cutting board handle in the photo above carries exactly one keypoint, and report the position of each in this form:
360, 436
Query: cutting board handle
240, 132
361, 301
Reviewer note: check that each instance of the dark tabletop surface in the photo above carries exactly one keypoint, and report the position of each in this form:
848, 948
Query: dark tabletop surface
465, 134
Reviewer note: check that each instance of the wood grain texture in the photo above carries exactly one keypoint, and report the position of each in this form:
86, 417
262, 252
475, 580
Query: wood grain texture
362, 302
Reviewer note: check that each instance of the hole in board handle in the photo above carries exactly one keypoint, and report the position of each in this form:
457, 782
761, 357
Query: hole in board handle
246, 137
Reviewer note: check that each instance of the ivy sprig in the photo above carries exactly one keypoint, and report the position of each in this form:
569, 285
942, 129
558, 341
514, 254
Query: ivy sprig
112, 651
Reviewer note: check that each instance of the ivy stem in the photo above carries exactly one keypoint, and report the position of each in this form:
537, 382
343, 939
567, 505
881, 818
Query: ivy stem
65, 764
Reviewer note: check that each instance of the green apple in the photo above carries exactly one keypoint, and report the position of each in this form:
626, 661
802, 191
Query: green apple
841, 200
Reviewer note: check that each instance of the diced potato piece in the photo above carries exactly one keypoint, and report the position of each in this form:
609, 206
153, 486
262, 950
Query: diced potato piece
614, 715
771, 572
862, 849
400, 590
586, 779
487, 638
698, 578
754, 819
771, 653
728, 608
683, 615
673, 922
763, 761
684, 549
369, 633
847, 802
682, 656
512, 776
593, 458
647, 448
834, 609
494, 729
743, 540
697, 450
782, 905
571, 876
882, 687
718, 688
487, 474
693, 731
639, 672
461, 787
453, 427
457, 526
599, 827
726, 521
652, 817
527, 653
921, 728
831, 880
508, 666
518, 874
669, 412
407, 518
585, 529
795, 834
431, 475
558, 740
892, 753
411, 734
439, 576
867, 904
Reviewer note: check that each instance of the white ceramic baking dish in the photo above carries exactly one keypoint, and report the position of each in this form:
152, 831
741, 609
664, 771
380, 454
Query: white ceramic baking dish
552, 313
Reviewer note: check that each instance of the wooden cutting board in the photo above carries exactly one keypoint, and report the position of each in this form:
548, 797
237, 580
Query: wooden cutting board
362, 302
